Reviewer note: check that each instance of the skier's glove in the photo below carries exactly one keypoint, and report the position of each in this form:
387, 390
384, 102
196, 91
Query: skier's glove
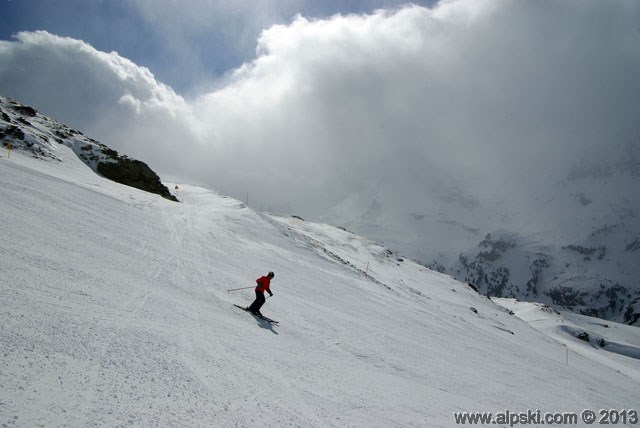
270, 294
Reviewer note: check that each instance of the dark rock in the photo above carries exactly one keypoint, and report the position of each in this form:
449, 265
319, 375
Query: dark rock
136, 174
583, 336
13, 132
567, 296
631, 316
24, 110
497, 247
587, 251
634, 246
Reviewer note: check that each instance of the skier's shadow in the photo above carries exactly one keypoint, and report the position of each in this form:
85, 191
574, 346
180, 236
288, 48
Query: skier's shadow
265, 324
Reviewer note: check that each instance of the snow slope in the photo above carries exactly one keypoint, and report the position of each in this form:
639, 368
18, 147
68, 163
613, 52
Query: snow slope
585, 336
116, 312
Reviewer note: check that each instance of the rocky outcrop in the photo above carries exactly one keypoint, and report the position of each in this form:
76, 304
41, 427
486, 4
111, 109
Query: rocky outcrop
136, 174
577, 277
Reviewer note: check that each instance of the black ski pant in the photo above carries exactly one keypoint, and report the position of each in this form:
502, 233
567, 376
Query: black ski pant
257, 304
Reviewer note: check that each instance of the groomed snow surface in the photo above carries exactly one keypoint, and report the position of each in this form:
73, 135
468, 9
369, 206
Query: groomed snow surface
115, 312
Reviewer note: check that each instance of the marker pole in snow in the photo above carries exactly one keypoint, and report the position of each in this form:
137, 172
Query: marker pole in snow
241, 288
9, 147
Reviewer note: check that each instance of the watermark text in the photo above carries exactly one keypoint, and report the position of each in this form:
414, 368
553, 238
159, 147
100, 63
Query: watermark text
538, 417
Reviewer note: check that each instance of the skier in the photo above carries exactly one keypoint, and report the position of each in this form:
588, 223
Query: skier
263, 285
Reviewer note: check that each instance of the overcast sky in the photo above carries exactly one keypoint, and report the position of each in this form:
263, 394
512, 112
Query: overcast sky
304, 103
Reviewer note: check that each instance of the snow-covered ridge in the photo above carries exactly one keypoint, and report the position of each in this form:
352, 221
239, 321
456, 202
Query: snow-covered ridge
27, 130
116, 311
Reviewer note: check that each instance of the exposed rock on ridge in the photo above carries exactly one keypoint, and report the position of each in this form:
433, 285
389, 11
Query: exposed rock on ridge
28, 130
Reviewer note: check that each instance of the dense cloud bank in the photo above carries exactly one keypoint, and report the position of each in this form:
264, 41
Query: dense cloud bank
487, 100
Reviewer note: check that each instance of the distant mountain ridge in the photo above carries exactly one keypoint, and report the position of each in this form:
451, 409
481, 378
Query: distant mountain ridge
28, 130
588, 262
599, 280
574, 244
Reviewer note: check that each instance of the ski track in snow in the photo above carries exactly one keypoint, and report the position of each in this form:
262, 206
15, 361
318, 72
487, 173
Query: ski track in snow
116, 313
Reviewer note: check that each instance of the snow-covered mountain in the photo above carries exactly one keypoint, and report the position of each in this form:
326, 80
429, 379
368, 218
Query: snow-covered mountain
24, 128
116, 312
573, 242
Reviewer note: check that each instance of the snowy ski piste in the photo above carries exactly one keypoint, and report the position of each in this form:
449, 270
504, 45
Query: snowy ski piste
115, 312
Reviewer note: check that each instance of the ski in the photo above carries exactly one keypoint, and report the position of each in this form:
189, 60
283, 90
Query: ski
262, 317
269, 320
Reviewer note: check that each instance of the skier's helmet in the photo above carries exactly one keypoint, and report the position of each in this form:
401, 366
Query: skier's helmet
271, 274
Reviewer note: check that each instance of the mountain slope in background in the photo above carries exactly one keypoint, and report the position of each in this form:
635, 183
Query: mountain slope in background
116, 312
573, 243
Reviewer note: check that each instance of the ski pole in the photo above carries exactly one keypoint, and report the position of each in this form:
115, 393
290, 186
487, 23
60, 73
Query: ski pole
241, 288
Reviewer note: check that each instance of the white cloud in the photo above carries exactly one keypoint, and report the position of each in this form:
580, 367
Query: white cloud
485, 96
95, 92
131, 102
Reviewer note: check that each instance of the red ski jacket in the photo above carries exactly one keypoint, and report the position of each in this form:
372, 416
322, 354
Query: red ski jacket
263, 284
